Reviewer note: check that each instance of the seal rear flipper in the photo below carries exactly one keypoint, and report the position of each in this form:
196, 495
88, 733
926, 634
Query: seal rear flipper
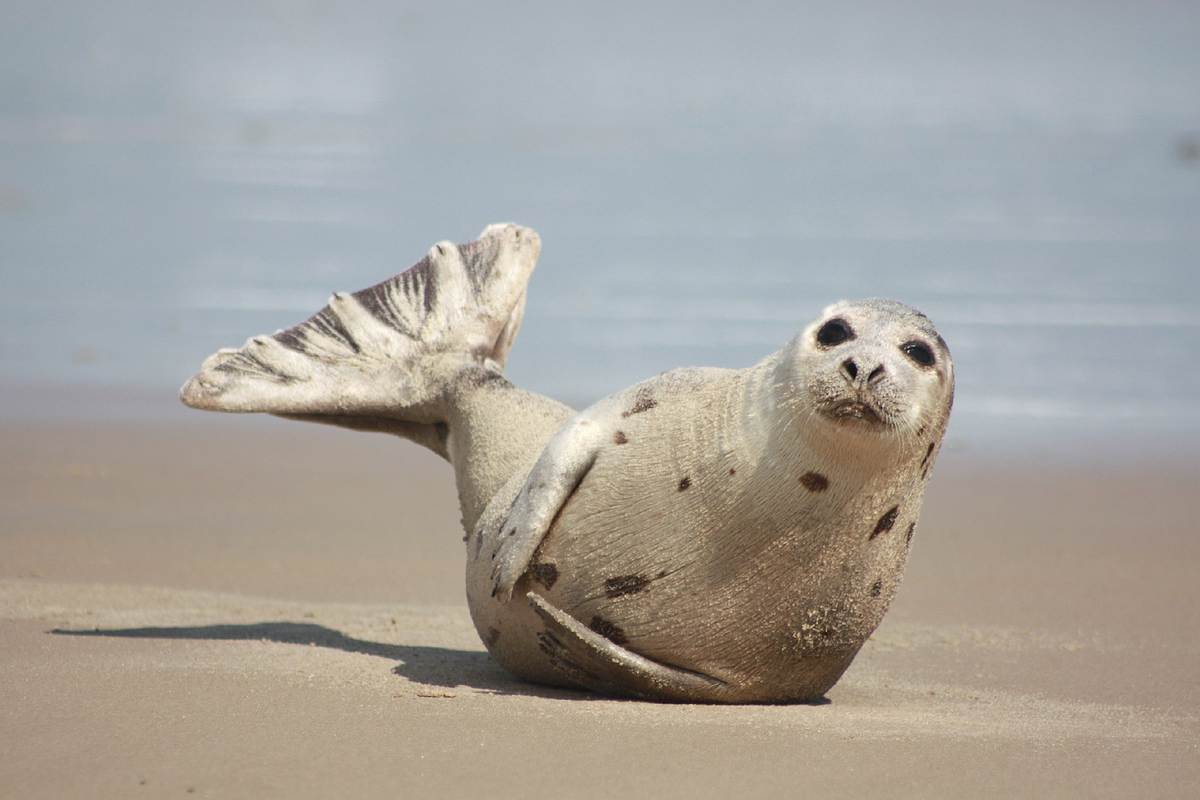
387, 350
593, 662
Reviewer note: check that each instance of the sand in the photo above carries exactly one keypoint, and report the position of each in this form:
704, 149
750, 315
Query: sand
244, 607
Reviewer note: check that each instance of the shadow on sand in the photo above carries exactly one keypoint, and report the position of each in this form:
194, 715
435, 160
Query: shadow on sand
434, 666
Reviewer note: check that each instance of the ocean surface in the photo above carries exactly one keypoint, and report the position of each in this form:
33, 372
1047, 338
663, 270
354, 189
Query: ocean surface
705, 177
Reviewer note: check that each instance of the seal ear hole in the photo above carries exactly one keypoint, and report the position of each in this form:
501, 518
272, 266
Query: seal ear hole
834, 332
919, 352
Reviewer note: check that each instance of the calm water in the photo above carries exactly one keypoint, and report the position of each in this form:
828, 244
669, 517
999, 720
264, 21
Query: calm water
704, 179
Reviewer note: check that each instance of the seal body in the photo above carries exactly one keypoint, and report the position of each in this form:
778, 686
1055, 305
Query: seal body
748, 526
706, 535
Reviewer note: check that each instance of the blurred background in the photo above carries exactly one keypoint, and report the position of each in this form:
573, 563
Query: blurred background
705, 178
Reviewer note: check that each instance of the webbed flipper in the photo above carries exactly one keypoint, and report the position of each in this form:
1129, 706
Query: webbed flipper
383, 351
593, 662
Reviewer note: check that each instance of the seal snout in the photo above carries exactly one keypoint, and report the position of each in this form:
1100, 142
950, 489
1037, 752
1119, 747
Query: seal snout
862, 378
851, 371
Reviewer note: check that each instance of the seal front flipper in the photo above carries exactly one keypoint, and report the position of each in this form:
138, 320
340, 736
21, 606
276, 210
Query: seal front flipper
593, 662
561, 467
383, 351
559, 470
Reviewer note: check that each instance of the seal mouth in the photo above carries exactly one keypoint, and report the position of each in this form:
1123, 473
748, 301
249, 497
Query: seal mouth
853, 412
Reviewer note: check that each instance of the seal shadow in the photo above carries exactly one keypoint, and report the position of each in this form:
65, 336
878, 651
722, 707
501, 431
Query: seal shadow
434, 666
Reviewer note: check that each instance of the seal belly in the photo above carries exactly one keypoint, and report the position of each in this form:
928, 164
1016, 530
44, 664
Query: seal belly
684, 566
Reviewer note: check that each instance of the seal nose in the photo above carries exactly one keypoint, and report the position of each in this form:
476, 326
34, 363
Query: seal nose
850, 369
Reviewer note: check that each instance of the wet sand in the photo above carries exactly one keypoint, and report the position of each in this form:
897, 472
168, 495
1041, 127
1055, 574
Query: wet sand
244, 607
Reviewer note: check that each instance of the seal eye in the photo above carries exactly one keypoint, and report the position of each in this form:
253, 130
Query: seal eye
919, 352
834, 333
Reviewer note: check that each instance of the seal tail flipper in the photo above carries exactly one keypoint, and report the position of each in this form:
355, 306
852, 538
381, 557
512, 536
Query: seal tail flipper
593, 662
378, 352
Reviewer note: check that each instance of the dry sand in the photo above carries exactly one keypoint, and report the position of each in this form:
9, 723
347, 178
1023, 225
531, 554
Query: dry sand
243, 607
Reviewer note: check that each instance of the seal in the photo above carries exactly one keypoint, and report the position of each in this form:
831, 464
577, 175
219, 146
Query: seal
707, 535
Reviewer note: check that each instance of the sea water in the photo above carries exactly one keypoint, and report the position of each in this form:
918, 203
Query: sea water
705, 178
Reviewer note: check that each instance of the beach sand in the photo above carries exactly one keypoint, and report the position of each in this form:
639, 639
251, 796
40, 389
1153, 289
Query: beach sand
245, 607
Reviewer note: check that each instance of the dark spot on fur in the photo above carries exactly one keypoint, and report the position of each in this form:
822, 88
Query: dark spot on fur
545, 574
551, 640
661, 574
685, 483
491, 637
549, 644
928, 453
908, 536
885, 522
620, 438
478, 378
732, 471
814, 481
511, 532
608, 630
625, 584
876, 588
644, 401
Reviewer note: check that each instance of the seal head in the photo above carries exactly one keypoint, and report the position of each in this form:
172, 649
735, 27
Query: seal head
872, 368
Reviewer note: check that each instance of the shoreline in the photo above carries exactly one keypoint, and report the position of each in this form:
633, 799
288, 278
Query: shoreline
1059, 442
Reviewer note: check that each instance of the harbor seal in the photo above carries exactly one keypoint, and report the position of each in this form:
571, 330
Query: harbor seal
707, 535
